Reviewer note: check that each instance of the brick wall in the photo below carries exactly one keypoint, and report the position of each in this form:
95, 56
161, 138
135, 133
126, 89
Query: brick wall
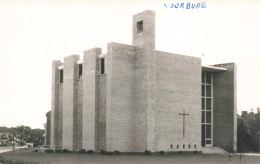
102, 112
90, 92
54, 101
78, 117
70, 73
48, 128
120, 91
59, 116
178, 88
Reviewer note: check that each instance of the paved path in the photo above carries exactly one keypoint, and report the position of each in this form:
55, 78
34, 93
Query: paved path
8, 148
251, 154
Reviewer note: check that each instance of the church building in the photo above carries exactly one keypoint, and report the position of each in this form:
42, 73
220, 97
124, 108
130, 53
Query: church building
133, 98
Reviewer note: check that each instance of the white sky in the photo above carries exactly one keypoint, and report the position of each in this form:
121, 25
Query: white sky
33, 33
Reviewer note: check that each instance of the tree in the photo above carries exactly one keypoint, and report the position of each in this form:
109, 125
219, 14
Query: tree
248, 125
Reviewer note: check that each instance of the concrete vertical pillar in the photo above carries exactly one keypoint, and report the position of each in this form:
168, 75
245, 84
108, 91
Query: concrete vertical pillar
69, 100
144, 39
225, 107
54, 101
90, 89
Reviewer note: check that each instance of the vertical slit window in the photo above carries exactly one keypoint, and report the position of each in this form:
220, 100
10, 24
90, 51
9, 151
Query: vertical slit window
203, 135
203, 116
208, 131
203, 103
208, 78
208, 89
61, 76
208, 117
102, 65
203, 77
208, 103
80, 71
203, 90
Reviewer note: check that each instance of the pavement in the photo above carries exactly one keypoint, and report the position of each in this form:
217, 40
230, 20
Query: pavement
8, 148
251, 154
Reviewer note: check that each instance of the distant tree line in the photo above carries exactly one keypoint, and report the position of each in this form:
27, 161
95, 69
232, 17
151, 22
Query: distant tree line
21, 135
248, 128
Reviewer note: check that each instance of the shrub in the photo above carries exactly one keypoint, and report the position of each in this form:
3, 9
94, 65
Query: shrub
90, 152
36, 150
195, 152
102, 151
117, 152
49, 151
146, 152
65, 151
58, 151
162, 153
180, 152
82, 151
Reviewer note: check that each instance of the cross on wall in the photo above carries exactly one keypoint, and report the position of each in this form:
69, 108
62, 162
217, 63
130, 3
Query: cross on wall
183, 114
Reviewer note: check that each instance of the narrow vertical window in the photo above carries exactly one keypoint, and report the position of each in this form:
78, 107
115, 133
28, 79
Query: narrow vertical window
139, 26
61, 76
102, 65
80, 71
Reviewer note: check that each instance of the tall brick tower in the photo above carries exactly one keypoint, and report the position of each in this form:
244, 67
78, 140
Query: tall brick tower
144, 39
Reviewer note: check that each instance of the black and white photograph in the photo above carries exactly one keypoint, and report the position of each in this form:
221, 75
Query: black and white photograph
133, 81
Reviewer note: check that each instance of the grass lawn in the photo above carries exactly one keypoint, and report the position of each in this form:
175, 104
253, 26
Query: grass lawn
61, 158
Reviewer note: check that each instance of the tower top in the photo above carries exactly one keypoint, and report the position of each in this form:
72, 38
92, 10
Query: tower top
144, 29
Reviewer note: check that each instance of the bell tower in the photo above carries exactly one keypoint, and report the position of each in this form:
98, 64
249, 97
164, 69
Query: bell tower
144, 29
144, 40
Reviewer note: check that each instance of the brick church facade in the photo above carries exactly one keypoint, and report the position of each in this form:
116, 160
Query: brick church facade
134, 98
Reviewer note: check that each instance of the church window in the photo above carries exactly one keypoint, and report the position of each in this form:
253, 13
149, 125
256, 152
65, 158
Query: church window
203, 117
139, 27
177, 146
61, 76
207, 108
102, 66
80, 71
208, 117
171, 146
183, 146
189, 146
195, 146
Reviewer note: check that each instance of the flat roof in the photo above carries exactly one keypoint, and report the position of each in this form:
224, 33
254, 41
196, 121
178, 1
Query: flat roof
213, 68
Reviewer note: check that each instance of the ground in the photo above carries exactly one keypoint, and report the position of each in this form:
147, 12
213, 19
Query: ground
60, 158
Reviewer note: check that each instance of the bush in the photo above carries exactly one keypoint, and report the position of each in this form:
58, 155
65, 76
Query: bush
117, 152
162, 153
58, 151
146, 152
49, 151
82, 151
90, 152
109, 153
103, 152
180, 152
36, 151
65, 151
195, 152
